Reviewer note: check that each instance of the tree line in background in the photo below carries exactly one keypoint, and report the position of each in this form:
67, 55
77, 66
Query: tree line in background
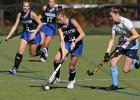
87, 17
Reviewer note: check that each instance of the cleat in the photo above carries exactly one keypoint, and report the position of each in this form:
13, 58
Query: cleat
55, 80
137, 64
70, 84
13, 70
42, 59
44, 56
112, 87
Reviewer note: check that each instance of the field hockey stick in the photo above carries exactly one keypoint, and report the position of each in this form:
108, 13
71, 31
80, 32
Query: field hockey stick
3, 41
56, 70
90, 73
51, 79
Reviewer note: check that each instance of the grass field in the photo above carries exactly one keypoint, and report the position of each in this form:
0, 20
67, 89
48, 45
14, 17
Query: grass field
32, 73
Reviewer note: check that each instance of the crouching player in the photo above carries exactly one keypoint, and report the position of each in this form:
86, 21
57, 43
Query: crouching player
71, 36
128, 37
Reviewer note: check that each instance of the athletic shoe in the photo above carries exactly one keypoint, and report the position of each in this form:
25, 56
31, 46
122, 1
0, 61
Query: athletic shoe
137, 64
70, 84
55, 80
44, 56
112, 87
46, 52
13, 70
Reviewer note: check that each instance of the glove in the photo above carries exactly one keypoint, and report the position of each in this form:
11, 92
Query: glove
107, 57
122, 40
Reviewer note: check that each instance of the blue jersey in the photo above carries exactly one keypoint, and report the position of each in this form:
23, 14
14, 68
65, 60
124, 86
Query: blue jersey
29, 24
49, 22
49, 17
70, 32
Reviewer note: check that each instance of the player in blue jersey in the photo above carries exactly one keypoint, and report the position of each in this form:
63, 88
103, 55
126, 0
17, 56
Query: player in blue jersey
31, 24
48, 29
128, 40
71, 37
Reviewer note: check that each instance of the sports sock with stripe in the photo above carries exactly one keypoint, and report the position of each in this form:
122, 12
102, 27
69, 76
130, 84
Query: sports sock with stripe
72, 73
18, 59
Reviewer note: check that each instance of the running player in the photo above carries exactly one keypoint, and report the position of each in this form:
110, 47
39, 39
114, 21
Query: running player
73, 39
128, 37
48, 29
31, 36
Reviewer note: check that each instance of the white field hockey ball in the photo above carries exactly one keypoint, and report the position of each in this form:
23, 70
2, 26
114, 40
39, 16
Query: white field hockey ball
47, 87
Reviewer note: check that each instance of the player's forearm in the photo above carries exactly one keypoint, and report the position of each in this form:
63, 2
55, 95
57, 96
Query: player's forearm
110, 45
38, 28
62, 45
81, 36
133, 37
40, 16
12, 31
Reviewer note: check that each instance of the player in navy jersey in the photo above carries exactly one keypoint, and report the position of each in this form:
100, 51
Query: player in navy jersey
71, 37
48, 29
129, 46
31, 24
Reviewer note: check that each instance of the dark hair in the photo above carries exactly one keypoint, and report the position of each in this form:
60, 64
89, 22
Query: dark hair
61, 12
59, 7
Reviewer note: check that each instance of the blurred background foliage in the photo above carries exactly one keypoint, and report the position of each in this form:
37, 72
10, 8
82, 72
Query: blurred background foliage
88, 18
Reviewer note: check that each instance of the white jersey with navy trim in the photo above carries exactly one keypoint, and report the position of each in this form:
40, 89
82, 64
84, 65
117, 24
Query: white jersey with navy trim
123, 29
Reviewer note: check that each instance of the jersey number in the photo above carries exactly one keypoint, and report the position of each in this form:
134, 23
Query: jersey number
49, 19
71, 38
27, 27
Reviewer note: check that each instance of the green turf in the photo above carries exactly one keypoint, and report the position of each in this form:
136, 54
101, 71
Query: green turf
26, 84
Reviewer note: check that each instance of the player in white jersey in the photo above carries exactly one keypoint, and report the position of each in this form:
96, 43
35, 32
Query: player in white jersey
128, 37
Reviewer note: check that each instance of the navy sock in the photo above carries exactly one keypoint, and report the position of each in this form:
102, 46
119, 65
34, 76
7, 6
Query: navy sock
55, 66
39, 52
72, 73
18, 59
39, 47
